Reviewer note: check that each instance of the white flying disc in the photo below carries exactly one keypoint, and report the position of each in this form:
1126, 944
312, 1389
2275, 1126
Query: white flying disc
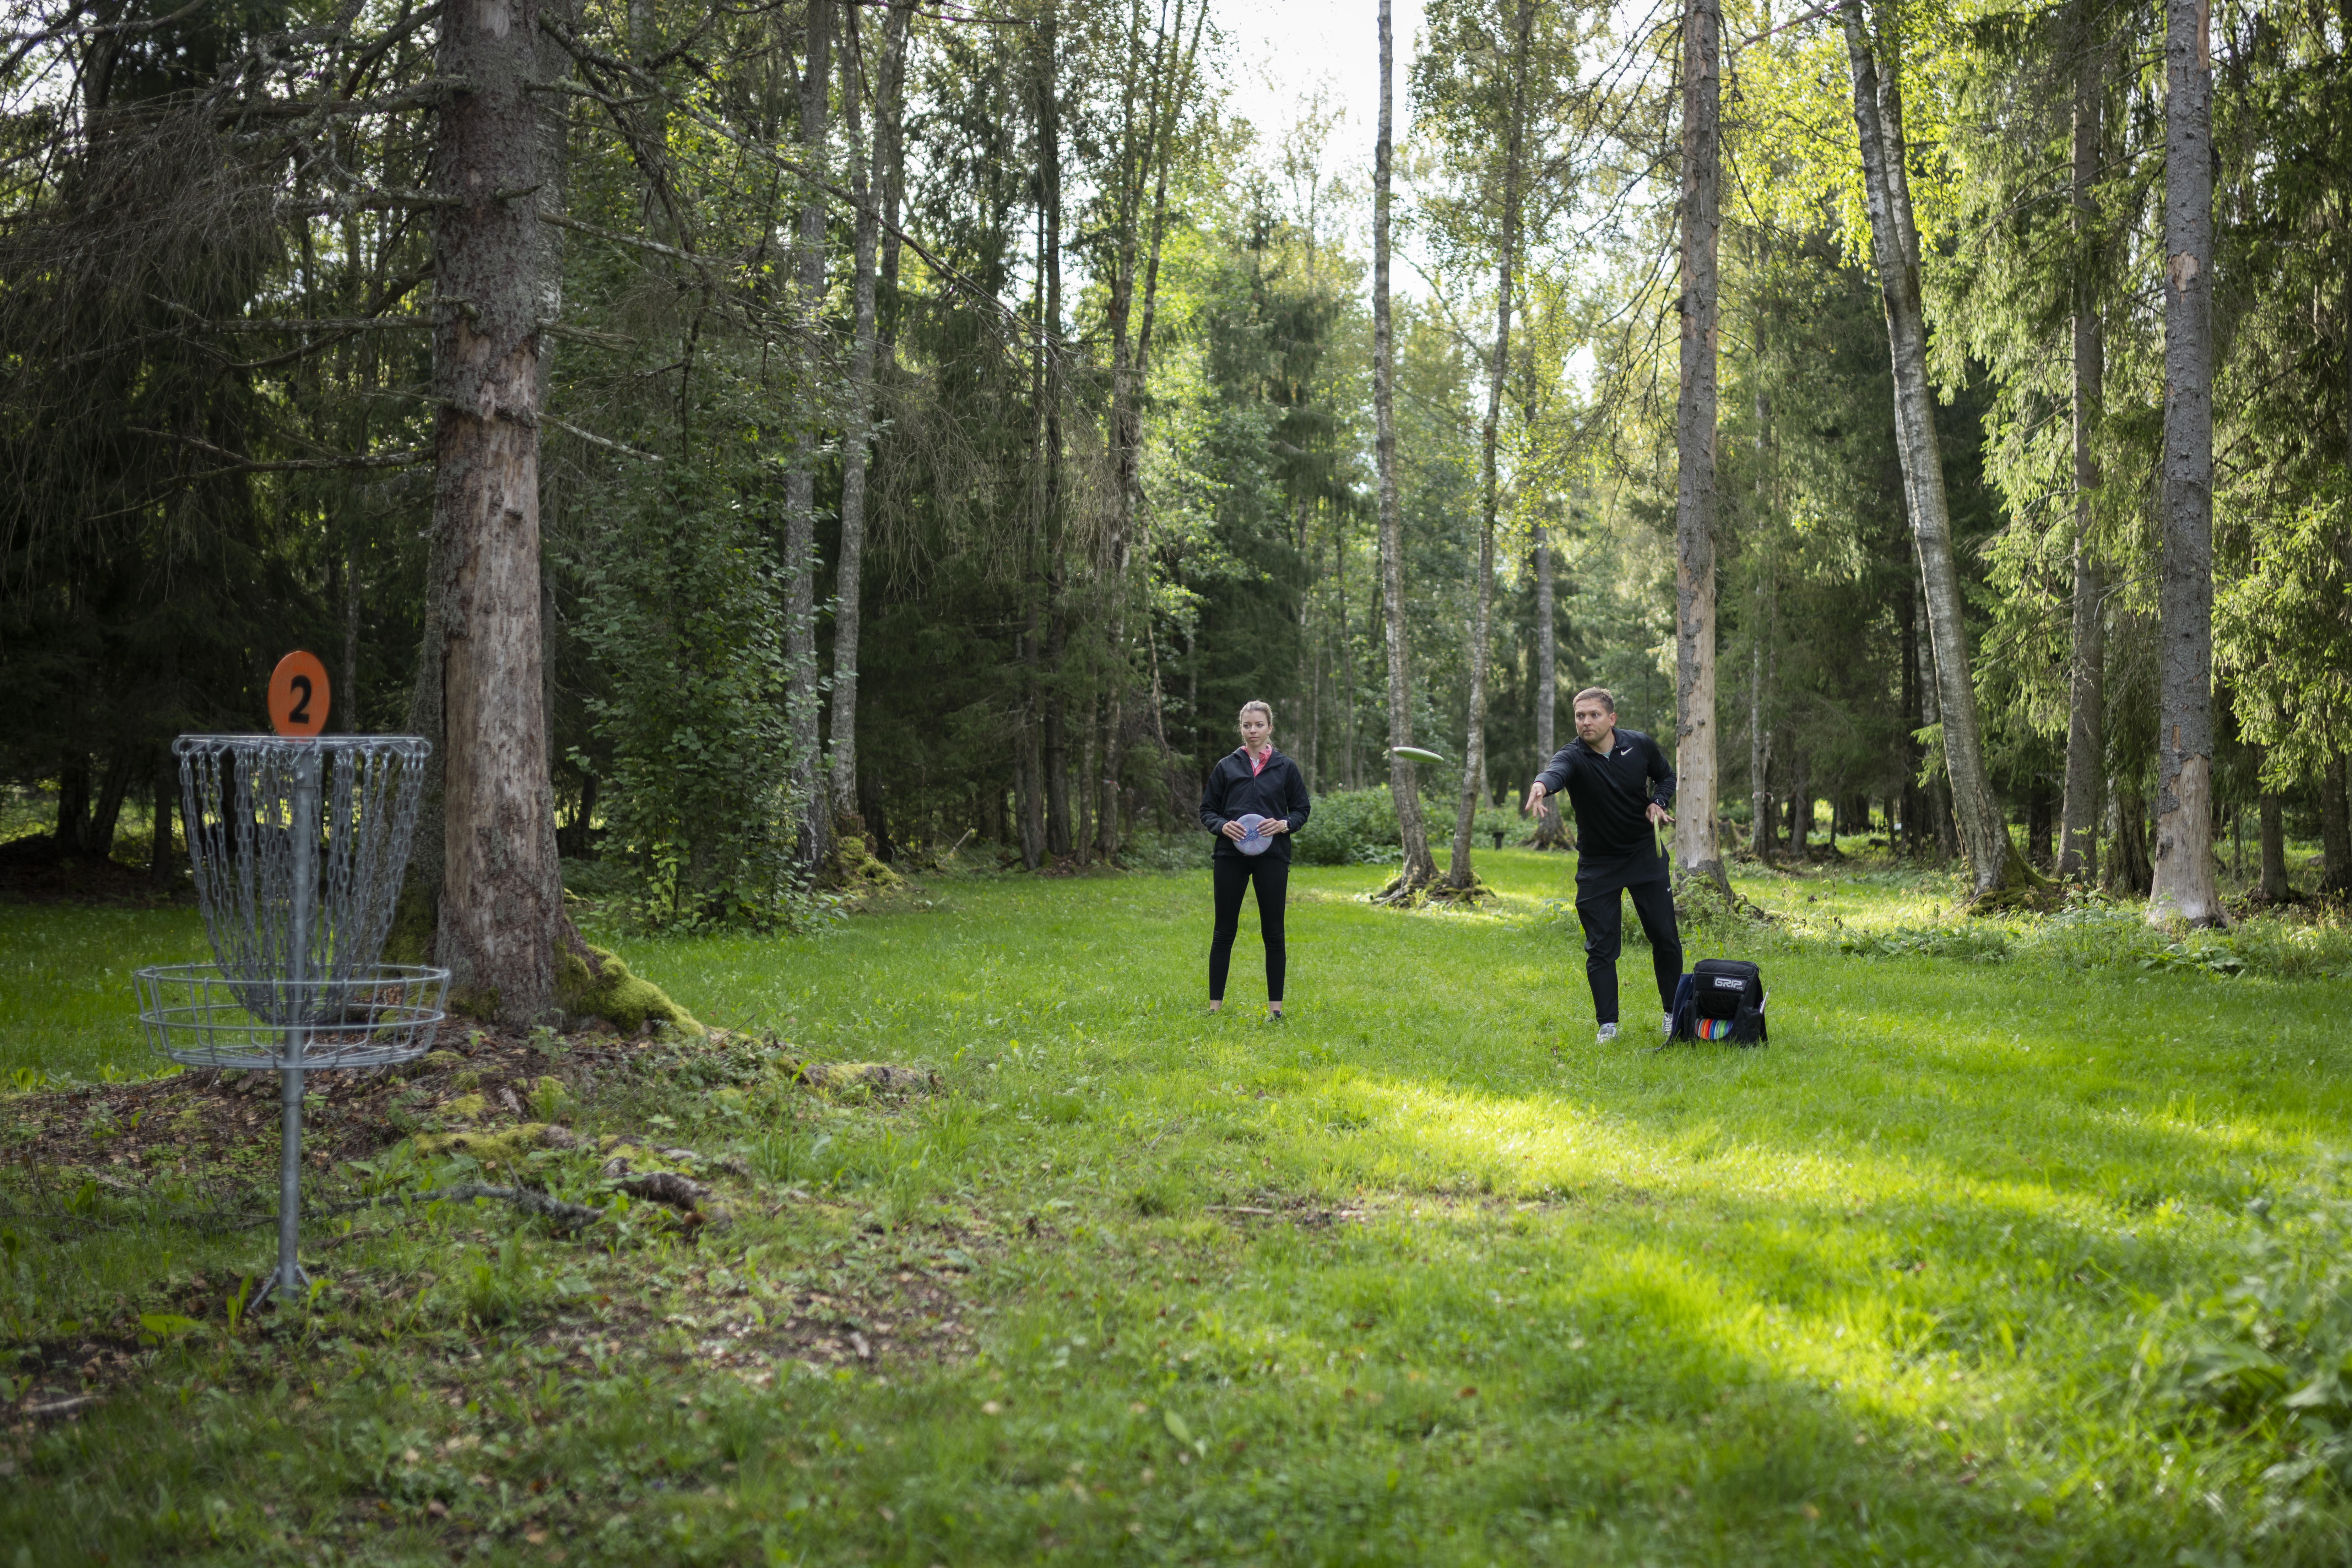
1253, 842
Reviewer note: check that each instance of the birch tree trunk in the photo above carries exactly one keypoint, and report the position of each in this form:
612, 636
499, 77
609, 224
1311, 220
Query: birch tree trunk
1551, 826
500, 901
1460, 876
1759, 732
1697, 854
1994, 865
804, 699
1058, 839
2078, 840
866, 177
1139, 157
1419, 868
2182, 862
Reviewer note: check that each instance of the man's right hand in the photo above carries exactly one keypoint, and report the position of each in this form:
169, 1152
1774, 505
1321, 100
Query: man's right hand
1536, 798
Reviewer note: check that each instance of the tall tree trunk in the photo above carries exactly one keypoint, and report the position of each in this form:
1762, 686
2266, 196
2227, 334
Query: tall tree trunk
1551, 826
1419, 868
891, 169
2078, 838
805, 698
1801, 807
1994, 864
2274, 886
1759, 733
1058, 840
2127, 866
866, 175
1139, 154
1697, 854
162, 861
72, 830
1460, 876
1030, 791
1305, 718
1177, 78
1759, 729
106, 812
348, 571
1347, 643
2183, 860
1547, 653
500, 908
2335, 830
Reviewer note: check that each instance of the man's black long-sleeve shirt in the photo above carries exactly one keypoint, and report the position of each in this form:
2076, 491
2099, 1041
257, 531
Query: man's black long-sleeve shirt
1616, 846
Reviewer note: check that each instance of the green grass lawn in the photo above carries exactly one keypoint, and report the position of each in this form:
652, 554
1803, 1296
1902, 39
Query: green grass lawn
1420, 1274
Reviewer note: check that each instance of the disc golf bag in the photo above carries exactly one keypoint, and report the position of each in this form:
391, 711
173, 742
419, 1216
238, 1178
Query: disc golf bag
1722, 999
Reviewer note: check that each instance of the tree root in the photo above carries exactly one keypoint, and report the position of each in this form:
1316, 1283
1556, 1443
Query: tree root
883, 1075
1403, 892
666, 1188
2019, 890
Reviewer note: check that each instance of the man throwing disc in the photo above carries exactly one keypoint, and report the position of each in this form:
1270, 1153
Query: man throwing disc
1620, 783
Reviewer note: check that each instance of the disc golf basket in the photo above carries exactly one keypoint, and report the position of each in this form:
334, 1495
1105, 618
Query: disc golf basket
297, 846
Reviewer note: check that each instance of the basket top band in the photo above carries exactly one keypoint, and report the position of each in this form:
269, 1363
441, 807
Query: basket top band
194, 745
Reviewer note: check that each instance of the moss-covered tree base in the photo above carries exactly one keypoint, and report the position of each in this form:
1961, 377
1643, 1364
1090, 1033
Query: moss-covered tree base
1400, 894
592, 983
2019, 889
854, 867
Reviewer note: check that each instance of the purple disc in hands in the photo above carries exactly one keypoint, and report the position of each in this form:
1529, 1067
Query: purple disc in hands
1252, 841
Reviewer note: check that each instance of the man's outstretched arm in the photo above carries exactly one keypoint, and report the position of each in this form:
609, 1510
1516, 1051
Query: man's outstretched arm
1553, 779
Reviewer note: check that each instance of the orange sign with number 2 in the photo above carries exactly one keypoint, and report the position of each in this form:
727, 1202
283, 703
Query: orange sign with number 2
298, 695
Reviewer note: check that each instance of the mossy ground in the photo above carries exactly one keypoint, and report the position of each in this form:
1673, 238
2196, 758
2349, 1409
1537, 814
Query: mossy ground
1418, 1276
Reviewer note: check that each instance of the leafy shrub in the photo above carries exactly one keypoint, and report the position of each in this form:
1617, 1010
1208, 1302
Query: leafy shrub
1185, 849
1971, 943
2094, 932
1343, 823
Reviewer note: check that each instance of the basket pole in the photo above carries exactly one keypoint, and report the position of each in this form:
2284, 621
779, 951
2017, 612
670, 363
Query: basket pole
289, 1281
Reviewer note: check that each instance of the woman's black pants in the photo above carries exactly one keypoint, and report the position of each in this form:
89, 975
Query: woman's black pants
1231, 874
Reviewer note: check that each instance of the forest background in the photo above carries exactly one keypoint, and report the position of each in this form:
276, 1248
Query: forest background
946, 416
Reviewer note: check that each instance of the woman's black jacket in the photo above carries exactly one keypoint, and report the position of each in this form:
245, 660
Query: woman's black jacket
1232, 793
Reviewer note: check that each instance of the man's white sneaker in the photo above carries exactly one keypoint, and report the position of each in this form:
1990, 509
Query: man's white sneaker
1608, 1033
1669, 1026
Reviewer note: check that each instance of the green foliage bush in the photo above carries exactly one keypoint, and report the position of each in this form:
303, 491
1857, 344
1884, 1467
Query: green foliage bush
1343, 824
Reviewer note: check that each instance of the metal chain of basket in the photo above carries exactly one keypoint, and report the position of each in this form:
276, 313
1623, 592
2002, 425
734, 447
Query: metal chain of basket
297, 847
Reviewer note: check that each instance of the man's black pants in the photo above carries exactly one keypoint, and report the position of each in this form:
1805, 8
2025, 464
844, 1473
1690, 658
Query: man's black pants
1230, 874
1605, 925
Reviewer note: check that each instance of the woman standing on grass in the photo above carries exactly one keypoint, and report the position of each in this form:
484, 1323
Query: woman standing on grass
1255, 800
